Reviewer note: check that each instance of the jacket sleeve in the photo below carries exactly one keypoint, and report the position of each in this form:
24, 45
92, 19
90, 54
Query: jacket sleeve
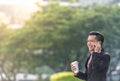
100, 61
81, 75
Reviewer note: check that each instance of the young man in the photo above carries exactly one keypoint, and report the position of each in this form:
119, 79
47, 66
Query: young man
98, 61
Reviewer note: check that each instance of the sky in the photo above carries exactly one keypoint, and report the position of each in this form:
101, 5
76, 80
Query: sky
17, 1
30, 4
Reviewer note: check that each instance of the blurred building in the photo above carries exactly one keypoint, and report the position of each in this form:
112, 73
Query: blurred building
4, 19
21, 77
17, 12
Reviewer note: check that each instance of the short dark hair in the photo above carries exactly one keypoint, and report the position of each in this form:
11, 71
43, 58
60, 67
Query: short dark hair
98, 35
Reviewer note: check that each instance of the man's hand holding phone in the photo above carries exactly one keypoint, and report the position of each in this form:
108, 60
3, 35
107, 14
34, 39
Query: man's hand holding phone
97, 47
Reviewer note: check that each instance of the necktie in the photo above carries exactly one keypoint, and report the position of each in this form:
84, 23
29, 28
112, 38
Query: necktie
89, 61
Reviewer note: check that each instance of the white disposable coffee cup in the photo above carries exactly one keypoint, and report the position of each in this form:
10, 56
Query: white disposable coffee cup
75, 63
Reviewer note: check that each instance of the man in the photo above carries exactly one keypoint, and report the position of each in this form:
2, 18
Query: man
98, 61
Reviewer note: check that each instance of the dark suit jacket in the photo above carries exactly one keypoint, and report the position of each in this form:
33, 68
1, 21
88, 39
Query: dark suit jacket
97, 69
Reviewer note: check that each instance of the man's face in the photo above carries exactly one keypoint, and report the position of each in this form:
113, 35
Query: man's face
91, 42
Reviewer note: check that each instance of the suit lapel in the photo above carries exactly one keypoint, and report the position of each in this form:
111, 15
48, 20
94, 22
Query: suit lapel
87, 61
